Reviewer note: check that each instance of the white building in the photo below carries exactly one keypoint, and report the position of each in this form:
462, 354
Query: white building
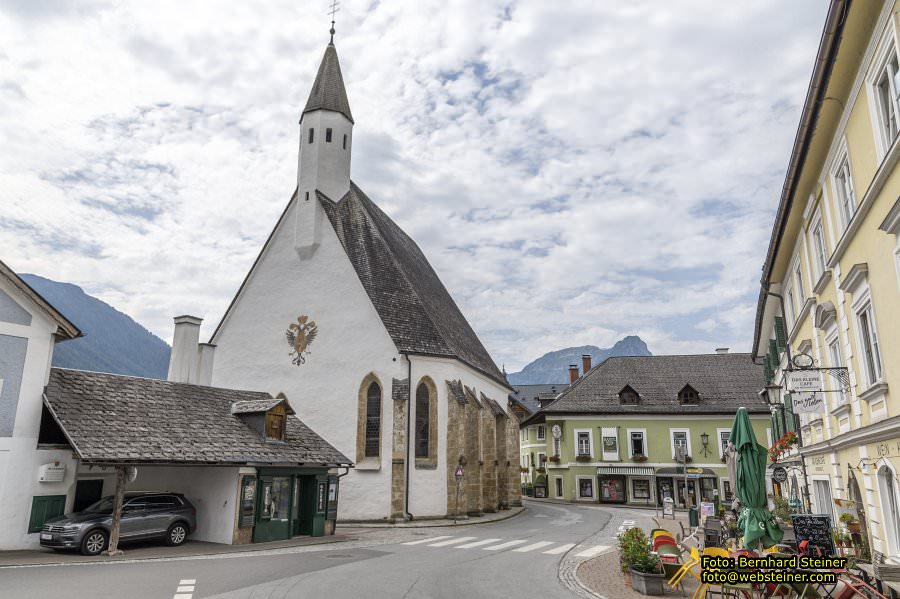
33, 479
341, 311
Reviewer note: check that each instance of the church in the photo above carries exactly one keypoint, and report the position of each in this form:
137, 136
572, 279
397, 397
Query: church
342, 313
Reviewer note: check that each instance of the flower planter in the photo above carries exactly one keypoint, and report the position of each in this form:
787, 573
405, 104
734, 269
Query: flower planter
854, 527
639, 458
647, 584
583, 458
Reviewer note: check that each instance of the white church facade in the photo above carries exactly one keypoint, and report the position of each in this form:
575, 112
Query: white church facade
342, 312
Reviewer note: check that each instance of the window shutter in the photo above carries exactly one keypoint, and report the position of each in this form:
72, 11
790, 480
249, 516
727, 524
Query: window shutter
780, 337
768, 371
44, 508
789, 414
773, 354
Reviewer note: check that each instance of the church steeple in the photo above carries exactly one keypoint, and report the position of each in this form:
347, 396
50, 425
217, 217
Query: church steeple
328, 92
326, 136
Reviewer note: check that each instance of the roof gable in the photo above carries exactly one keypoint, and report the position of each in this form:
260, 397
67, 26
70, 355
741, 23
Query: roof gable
65, 328
724, 383
412, 302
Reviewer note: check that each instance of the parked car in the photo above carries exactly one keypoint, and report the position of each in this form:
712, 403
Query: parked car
166, 516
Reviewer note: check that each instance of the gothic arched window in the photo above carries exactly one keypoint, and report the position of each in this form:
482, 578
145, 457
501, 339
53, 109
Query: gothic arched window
423, 420
373, 421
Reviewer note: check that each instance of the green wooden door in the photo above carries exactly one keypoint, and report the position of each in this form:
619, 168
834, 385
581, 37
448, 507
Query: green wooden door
44, 508
273, 519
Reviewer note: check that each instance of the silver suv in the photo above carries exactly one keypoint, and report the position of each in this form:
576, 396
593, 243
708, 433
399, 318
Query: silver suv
166, 516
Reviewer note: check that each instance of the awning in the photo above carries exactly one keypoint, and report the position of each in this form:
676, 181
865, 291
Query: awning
626, 470
691, 471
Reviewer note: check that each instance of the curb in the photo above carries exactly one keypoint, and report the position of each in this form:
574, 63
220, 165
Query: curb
434, 523
125, 558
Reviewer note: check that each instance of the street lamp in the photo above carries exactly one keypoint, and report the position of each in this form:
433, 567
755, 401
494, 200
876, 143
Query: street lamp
704, 440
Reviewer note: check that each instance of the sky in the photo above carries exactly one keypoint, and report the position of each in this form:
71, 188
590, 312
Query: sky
575, 172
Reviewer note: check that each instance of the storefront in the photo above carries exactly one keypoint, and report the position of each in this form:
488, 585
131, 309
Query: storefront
625, 484
287, 503
687, 486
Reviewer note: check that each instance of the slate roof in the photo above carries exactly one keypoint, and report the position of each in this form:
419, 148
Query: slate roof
328, 92
724, 382
415, 307
111, 418
255, 406
530, 396
493, 405
456, 391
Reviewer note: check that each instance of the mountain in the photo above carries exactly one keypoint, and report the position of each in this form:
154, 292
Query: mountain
113, 342
553, 367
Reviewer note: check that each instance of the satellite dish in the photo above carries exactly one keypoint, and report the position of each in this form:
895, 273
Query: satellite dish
803, 361
130, 474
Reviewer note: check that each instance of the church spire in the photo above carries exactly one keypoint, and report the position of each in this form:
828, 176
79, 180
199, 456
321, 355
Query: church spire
328, 92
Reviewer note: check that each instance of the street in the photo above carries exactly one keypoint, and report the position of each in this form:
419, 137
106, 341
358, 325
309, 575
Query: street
524, 555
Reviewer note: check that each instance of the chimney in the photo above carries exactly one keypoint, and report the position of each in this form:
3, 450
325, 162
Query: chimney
585, 363
721, 350
573, 373
183, 361
205, 354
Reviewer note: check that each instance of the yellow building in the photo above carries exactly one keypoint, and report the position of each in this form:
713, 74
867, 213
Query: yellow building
831, 279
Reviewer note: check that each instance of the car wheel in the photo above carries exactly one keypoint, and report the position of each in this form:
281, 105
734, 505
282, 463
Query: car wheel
94, 542
177, 534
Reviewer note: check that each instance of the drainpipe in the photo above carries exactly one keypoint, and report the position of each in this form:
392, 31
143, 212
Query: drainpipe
408, 437
787, 350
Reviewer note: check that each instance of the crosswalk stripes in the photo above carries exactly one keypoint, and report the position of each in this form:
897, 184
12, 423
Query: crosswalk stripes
477, 543
429, 540
533, 546
561, 549
595, 550
451, 542
514, 545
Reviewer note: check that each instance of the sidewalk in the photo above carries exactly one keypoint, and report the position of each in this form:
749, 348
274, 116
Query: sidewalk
153, 551
439, 522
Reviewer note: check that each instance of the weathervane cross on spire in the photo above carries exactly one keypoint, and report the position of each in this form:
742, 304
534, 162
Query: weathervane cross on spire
334, 9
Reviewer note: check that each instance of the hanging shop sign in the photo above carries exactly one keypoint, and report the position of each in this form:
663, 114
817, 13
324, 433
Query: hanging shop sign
779, 474
808, 403
805, 381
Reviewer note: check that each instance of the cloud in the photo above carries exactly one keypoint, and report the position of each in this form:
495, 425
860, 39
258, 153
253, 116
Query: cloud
603, 168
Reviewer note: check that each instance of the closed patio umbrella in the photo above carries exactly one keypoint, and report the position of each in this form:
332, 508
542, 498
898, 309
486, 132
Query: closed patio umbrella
758, 525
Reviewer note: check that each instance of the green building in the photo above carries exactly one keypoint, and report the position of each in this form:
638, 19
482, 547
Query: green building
613, 436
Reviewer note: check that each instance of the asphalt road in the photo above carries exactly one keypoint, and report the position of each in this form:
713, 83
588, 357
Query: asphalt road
517, 557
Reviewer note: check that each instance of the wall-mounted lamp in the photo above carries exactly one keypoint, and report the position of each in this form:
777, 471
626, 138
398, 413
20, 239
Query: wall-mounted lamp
704, 440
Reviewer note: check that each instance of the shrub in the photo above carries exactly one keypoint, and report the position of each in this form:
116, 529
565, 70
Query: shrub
635, 552
781, 509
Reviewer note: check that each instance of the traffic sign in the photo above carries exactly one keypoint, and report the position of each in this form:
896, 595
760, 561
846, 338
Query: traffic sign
460, 471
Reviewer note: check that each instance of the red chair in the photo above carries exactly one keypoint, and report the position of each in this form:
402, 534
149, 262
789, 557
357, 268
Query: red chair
659, 541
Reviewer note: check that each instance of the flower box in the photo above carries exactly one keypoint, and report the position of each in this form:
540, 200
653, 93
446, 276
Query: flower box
554, 459
583, 458
639, 458
647, 584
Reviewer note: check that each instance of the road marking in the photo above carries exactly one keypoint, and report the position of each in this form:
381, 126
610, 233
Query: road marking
560, 549
596, 549
504, 545
477, 543
533, 546
452, 542
428, 540
183, 596
188, 581
187, 588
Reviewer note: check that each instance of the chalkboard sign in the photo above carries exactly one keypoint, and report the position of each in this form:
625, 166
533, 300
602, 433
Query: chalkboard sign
332, 498
668, 507
815, 528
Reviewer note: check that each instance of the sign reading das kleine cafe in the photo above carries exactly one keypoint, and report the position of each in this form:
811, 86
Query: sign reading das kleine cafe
805, 381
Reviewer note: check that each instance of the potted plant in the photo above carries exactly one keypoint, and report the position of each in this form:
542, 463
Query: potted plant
688, 459
850, 522
639, 457
582, 458
554, 459
636, 557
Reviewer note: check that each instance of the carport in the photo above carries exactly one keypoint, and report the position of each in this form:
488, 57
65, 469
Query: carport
253, 470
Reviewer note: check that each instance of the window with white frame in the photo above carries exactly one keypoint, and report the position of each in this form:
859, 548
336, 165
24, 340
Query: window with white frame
886, 97
798, 280
868, 339
843, 189
637, 444
558, 486
556, 443
724, 435
792, 315
834, 357
541, 432
585, 487
542, 460
818, 239
679, 438
583, 442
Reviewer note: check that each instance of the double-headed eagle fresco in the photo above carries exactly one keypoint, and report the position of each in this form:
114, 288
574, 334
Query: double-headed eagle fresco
300, 336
